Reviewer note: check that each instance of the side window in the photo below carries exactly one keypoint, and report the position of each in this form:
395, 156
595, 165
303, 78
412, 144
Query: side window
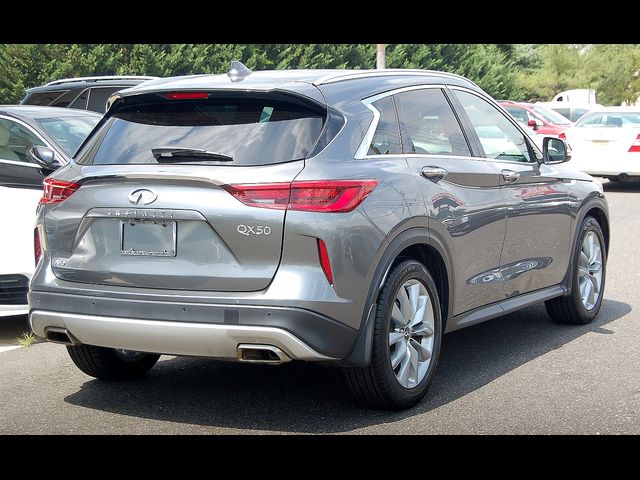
99, 97
428, 124
16, 141
519, 114
564, 112
500, 139
386, 140
44, 98
81, 102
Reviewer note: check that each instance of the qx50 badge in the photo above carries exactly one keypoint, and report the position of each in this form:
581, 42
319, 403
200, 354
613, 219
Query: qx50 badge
142, 196
247, 230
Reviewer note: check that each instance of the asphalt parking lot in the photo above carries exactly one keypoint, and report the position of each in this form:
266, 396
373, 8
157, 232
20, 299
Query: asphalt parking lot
518, 374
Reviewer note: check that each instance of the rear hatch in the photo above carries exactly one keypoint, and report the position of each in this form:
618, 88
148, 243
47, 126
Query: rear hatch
153, 209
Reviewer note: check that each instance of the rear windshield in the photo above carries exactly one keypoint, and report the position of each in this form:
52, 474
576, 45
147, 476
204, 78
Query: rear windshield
250, 131
610, 119
551, 116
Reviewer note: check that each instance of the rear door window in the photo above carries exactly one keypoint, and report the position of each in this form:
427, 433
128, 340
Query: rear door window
98, 98
428, 124
243, 130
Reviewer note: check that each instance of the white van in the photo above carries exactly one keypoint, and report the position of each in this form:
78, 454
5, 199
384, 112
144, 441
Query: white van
577, 95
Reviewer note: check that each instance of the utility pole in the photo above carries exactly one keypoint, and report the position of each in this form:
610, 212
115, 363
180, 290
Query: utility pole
380, 56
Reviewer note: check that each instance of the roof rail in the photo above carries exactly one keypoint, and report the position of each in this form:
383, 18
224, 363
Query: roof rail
104, 77
352, 74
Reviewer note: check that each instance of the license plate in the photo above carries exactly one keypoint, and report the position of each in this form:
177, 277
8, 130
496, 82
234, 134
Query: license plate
148, 238
600, 143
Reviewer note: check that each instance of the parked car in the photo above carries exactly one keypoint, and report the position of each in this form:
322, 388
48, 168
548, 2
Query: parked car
606, 143
59, 133
540, 119
570, 110
301, 214
84, 93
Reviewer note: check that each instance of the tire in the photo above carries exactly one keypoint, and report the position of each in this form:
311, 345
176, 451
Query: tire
110, 364
380, 385
572, 309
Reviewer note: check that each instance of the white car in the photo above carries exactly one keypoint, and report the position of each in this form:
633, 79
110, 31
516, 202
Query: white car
59, 132
606, 143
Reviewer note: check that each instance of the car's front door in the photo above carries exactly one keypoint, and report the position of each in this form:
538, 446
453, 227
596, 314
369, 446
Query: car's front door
461, 192
537, 245
17, 169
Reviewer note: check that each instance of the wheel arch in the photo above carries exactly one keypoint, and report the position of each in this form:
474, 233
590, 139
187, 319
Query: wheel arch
418, 243
597, 209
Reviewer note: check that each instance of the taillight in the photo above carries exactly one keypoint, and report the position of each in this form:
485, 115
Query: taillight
562, 136
323, 255
186, 95
37, 247
56, 191
325, 196
635, 146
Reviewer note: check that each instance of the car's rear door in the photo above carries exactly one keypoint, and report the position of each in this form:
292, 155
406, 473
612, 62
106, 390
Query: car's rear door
461, 192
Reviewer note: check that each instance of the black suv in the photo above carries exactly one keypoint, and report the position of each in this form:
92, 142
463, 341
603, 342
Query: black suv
84, 93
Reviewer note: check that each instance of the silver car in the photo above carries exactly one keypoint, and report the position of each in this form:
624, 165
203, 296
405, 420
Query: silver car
344, 217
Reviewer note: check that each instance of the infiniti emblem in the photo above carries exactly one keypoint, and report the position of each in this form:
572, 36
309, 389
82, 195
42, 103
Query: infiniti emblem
142, 196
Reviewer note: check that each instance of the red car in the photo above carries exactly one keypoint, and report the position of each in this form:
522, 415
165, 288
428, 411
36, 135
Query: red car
542, 120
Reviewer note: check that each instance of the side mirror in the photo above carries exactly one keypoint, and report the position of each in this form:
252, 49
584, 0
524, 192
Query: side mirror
45, 157
554, 150
532, 123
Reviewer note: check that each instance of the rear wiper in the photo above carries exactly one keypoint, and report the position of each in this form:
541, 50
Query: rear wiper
173, 154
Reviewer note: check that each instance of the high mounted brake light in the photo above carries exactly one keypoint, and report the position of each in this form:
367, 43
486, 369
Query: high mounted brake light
186, 95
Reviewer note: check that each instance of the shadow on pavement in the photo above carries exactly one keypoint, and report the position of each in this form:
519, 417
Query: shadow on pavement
311, 398
623, 187
12, 327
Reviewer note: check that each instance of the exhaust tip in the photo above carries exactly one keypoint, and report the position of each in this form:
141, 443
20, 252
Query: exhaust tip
266, 354
60, 335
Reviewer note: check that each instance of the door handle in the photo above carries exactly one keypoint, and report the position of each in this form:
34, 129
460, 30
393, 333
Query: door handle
510, 176
435, 174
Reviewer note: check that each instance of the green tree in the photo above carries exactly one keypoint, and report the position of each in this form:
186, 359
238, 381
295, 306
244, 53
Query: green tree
561, 69
613, 70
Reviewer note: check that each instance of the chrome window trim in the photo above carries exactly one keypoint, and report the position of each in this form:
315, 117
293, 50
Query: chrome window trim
19, 164
363, 148
35, 134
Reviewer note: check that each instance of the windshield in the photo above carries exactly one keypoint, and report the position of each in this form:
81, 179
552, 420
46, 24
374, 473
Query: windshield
610, 119
249, 131
69, 132
551, 116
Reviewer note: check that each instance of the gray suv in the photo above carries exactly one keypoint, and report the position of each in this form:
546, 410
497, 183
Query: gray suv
344, 217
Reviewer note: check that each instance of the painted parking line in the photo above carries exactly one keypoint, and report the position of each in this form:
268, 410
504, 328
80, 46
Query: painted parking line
5, 347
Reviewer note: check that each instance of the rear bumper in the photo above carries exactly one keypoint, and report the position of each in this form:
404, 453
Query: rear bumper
174, 338
200, 329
